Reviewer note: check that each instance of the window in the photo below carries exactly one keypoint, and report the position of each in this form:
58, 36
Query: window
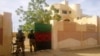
64, 12
69, 12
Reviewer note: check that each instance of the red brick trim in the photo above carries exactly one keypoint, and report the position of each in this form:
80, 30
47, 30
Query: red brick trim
1, 36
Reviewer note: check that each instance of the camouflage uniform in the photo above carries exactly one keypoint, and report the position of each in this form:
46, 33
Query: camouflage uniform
20, 42
32, 40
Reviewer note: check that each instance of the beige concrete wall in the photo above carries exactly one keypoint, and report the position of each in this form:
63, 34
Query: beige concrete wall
54, 40
86, 24
69, 35
76, 34
82, 31
5, 49
90, 38
76, 10
69, 26
60, 25
80, 27
62, 35
91, 28
69, 43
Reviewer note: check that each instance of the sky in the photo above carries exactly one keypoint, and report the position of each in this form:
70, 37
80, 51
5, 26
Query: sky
89, 7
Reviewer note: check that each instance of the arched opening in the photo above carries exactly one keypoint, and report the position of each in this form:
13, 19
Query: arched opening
68, 20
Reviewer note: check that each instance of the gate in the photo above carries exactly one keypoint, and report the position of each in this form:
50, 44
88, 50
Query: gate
43, 36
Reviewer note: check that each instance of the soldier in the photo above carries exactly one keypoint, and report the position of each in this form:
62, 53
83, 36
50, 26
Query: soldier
20, 38
32, 40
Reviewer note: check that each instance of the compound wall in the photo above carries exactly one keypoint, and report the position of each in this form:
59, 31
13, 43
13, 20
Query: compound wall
72, 35
5, 34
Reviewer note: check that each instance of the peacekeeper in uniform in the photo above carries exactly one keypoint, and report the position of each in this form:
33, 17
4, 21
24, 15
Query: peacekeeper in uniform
32, 41
20, 38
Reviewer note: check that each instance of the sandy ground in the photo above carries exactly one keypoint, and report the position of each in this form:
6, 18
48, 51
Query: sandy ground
84, 52
64, 52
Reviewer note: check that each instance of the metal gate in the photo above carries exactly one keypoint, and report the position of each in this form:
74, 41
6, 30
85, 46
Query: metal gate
43, 36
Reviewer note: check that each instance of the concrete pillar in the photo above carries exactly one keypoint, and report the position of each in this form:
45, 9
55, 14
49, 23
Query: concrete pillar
7, 33
5, 49
54, 38
1, 36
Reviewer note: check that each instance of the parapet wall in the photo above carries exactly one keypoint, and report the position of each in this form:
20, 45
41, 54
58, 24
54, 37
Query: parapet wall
5, 34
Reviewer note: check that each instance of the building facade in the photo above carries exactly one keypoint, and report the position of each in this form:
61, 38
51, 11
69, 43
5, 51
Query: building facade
67, 11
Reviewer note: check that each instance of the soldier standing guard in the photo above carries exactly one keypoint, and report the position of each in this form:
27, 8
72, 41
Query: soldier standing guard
32, 41
20, 38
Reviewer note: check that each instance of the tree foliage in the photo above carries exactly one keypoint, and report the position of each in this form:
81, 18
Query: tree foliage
34, 13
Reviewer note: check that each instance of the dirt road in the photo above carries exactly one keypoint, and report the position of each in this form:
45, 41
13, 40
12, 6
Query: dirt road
84, 52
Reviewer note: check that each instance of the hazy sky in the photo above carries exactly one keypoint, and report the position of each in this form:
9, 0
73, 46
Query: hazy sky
90, 7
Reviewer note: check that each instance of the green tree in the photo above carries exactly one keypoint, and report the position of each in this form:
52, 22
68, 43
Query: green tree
56, 16
34, 13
